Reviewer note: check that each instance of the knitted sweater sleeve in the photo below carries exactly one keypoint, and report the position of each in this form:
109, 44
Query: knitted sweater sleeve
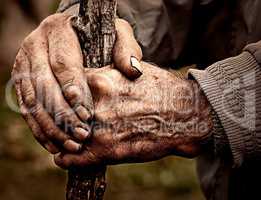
233, 88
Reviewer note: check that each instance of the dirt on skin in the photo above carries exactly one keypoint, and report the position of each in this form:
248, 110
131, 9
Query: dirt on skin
27, 171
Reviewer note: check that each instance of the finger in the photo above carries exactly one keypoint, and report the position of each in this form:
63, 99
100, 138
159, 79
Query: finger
44, 120
127, 53
67, 64
80, 160
37, 132
65, 162
52, 132
39, 114
49, 96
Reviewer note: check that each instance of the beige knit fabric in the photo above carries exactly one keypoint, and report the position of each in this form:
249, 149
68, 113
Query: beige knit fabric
233, 88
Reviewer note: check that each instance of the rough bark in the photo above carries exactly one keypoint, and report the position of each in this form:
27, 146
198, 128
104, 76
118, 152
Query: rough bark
86, 183
96, 31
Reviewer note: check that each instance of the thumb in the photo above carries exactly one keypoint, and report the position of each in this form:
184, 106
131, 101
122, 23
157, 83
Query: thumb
127, 53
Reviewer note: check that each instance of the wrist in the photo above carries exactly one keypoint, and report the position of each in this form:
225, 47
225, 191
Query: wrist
196, 122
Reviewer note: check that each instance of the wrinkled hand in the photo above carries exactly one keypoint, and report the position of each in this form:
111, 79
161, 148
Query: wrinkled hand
50, 81
156, 115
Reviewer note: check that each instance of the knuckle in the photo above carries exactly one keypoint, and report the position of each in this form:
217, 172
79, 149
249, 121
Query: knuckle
65, 121
93, 158
73, 93
53, 20
50, 133
28, 40
72, 146
100, 84
60, 115
36, 110
58, 62
29, 98
49, 21
61, 62
31, 39
24, 113
45, 24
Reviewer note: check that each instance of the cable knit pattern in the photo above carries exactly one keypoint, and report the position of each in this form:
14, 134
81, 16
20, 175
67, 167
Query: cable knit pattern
233, 89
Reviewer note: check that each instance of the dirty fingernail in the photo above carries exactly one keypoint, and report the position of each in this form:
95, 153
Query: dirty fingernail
72, 146
83, 113
58, 159
51, 148
135, 63
81, 134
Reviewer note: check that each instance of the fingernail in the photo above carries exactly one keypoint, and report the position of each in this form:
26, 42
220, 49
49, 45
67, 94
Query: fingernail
83, 113
81, 134
135, 63
72, 146
58, 159
51, 148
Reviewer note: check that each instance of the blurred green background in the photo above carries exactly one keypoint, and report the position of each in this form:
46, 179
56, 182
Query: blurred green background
27, 171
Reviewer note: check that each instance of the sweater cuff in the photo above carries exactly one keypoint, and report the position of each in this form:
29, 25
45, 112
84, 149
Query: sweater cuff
230, 87
220, 143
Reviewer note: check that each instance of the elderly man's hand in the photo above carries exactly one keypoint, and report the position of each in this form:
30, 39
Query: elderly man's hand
50, 81
156, 115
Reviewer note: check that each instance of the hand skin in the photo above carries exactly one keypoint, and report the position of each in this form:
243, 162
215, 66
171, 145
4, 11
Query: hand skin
154, 116
51, 86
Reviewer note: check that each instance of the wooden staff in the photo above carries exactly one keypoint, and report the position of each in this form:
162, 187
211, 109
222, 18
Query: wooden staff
95, 27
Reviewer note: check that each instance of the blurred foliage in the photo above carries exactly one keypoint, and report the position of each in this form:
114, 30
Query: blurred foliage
28, 173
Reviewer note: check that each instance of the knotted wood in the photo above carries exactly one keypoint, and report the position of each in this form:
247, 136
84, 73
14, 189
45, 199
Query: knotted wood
96, 30
95, 27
